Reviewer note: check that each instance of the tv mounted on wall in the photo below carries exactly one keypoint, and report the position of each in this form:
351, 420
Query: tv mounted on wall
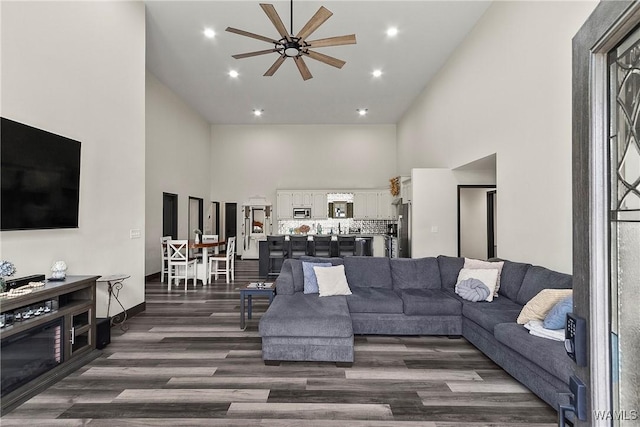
40, 178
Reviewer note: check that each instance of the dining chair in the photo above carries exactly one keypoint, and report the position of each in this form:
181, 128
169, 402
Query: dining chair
180, 262
164, 247
228, 258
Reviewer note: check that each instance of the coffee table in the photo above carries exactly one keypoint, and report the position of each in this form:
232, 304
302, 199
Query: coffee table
251, 290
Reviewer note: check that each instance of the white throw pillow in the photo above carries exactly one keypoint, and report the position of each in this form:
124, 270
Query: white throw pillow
479, 264
539, 306
332, 281
487, 276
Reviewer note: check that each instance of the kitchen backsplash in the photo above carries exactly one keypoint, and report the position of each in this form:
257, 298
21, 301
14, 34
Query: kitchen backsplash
336, 226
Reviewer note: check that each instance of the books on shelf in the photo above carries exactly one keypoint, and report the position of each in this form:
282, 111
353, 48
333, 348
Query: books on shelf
260, 285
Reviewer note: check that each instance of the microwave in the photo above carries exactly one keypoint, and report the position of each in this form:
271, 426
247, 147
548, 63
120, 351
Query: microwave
301, 213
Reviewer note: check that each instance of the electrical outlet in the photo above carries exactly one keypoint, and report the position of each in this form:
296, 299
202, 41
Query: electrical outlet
135, 233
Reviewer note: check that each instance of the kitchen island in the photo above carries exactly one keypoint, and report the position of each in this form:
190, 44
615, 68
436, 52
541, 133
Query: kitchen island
365, 244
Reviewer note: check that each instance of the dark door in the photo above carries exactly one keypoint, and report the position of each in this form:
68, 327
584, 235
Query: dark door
230, 220
170, 215
215, 218
491, 224
196, 208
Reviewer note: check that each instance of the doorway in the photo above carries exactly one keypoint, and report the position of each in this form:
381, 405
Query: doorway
477, 221
606, 208
196, 206
170, 215
213, 223
230, 220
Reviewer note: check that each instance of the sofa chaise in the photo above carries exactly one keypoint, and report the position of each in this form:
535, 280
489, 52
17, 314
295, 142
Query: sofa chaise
416, 297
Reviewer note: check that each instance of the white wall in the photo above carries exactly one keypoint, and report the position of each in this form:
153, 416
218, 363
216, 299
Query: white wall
178, 162
259, 159
77, 69
434, 223
507, 90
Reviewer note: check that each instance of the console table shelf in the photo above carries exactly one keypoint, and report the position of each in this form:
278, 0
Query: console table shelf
72, 305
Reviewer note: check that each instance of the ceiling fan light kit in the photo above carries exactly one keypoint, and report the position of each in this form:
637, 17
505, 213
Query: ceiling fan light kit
296, 46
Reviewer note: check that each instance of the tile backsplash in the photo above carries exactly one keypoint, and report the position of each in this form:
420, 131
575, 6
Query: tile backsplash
336, 226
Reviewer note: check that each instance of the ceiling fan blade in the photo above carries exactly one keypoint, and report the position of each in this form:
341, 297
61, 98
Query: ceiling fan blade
302, 67
272, 70
329, 60
252, 35
275, 20
316, 20
256, 53
333, 41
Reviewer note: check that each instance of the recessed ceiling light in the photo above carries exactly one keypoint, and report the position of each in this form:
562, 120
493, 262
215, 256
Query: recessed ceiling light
377, 73
209, 33
362, 111
233, 74
392, 32
257, 113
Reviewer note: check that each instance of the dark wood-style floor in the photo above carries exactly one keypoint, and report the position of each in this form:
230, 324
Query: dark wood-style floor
185, 362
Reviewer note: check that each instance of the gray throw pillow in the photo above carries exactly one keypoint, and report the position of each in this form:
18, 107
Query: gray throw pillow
472, 290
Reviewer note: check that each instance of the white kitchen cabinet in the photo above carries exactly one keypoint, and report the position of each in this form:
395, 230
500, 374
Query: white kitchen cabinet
319, 207
365, 205
285, 205
386, 209
302, 199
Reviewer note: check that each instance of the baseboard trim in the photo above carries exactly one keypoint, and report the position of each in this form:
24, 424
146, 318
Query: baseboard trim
152, 276
133, 311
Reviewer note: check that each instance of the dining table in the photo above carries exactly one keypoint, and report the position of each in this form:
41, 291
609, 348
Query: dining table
202, 268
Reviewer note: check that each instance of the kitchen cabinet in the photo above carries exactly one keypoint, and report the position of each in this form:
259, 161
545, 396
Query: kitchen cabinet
319, 207
301, 199
285, 205
386, 209
365, 205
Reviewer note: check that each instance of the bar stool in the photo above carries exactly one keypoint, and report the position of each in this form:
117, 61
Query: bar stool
277, 254
322, 246
346, 246
298, 246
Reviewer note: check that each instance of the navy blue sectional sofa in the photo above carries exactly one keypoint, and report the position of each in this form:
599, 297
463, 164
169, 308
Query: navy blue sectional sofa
416, 297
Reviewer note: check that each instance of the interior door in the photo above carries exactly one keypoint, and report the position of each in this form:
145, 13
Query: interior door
230, 220
476, 221
170, 215
195, 215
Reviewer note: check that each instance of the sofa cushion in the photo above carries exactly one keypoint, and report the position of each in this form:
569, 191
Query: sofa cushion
291, 277
374, 300
429, 302
412, 273
539, 278
306, 315
548, 354
449, 269
332, 260
366, 271
511, 278
490, 314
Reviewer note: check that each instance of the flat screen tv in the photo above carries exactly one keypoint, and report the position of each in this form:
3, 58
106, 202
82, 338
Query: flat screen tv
40, 178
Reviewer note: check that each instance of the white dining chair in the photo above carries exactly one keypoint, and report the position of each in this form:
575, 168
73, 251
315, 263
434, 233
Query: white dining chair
180, 262
164, 247
228, 258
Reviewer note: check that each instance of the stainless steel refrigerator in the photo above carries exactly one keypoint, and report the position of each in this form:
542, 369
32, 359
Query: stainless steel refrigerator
404, 230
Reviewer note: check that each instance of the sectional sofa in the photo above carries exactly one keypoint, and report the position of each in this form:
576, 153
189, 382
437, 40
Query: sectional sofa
416, 297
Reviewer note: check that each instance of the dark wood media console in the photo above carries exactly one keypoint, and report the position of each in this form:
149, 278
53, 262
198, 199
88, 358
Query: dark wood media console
65, 326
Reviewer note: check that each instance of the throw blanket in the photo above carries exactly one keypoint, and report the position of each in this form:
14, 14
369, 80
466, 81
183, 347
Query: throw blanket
536, 328
472, 290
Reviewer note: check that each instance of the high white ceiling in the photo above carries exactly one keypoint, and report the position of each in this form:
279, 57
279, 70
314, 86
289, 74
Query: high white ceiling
196, 67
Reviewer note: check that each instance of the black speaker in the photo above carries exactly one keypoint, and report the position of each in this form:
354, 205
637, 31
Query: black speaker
103, 332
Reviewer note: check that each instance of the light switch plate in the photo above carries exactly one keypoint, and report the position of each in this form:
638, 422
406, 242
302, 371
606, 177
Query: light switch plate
135, 233
434, 228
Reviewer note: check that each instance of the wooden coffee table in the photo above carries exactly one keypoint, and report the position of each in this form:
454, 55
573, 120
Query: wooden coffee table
251, 290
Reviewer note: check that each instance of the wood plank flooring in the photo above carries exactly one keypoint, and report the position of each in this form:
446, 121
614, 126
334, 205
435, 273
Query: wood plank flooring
185, 362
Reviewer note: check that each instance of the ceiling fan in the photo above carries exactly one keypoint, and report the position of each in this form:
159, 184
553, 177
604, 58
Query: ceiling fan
296, 46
